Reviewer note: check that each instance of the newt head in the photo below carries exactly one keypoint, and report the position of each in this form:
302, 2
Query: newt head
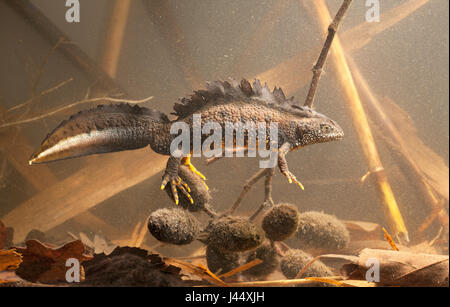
318, 129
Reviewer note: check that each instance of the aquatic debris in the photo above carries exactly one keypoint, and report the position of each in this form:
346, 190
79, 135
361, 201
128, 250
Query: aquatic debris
9, 260
195, 271
233, 234
280, 222
131, 266
173, 225
398, 268
270, 261
97, 246
360, 230
241, 268
48, 265
317, 230
295, 260
221, 262
388, 238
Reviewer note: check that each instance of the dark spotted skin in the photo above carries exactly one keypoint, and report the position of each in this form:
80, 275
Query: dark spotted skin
296, 131
124, 127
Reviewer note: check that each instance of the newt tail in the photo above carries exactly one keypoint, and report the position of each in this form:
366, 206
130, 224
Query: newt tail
106, 128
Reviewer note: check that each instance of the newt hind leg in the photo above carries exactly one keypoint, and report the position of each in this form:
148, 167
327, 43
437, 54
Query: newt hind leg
187, 161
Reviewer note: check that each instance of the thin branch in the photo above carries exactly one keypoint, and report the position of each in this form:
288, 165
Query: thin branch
42, 66
268, 201
292, 282
300, 273
43, 93
28, 120
318, 68
362, 128
254, 179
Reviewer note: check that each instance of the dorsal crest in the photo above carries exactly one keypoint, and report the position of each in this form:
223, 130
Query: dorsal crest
220, 92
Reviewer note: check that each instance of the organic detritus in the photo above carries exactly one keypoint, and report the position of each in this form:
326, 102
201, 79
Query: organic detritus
233, 234
174, 226
280, 222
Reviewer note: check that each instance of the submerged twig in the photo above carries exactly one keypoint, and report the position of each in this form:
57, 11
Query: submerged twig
250, 183
43, 93
43, 64
362, 128
388, 238
242, 268
318, 67
292, 282
268, 202
114, 37
299, 274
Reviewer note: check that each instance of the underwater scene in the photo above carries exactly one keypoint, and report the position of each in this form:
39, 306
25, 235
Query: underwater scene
224, 143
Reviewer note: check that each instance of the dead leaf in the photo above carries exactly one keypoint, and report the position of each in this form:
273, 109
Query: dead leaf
189, 268
360, 230
399, 268
42, 263
355, 247
425, 247
9, 260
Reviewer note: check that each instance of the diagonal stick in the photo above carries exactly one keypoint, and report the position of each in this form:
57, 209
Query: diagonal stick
318, 67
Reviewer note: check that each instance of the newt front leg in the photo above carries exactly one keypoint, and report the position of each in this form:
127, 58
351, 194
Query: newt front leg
282, 164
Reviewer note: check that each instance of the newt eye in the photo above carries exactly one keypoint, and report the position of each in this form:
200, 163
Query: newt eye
325, 128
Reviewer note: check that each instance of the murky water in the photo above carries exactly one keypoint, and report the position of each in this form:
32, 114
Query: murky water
168, 50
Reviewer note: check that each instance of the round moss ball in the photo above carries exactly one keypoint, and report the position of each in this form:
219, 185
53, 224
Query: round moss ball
295, 260
173, 225
317, 230
270, 261
234, 234
281, 222
199, 192
221, 262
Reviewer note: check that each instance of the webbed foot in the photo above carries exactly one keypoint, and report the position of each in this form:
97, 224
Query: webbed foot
176, 183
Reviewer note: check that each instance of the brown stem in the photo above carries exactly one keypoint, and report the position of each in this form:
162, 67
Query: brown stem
267, 194
392, 212
248, 185
114, 37
318, 67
